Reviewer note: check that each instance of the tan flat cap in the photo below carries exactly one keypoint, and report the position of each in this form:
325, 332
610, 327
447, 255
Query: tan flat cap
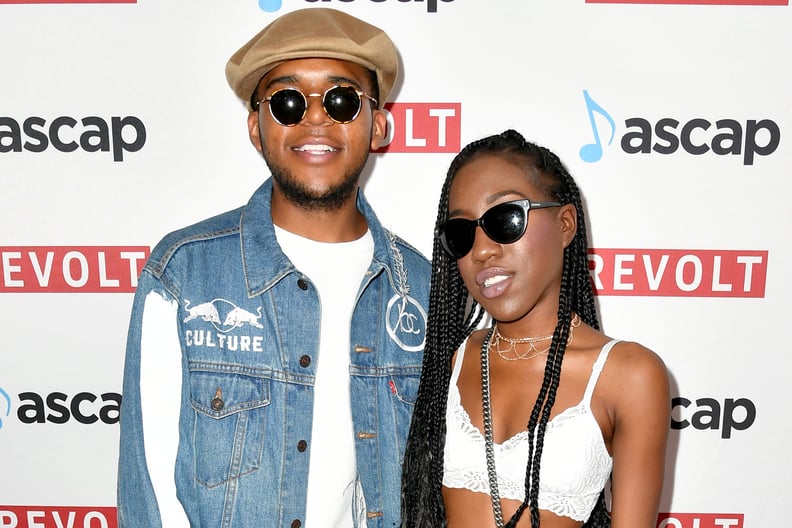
314, 33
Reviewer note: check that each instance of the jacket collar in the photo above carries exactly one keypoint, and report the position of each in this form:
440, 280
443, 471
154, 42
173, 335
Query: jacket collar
263, 259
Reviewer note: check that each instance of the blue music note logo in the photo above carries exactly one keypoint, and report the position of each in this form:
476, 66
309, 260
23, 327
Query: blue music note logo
270, 6
592, 152
7, 399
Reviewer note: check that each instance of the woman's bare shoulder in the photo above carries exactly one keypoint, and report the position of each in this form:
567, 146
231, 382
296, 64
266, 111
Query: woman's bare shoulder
635, 378
634, 359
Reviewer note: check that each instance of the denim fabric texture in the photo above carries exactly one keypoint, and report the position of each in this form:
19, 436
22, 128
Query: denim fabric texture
248, 324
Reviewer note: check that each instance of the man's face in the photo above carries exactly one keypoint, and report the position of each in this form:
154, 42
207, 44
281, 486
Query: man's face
316, 163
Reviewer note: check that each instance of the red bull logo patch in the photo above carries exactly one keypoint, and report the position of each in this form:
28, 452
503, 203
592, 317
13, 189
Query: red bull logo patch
232, 315
224, 316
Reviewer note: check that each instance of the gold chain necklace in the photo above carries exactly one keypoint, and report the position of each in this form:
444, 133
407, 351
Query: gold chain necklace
511, 353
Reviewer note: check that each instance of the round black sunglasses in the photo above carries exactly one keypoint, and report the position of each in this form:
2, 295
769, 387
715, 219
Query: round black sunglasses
288, 106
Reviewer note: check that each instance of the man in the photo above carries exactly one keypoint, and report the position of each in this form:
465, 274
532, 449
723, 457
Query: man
274, 351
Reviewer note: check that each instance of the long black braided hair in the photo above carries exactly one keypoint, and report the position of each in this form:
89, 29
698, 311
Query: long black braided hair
453, 315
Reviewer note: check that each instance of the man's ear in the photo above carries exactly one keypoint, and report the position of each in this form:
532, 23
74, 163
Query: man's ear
568, 219
254, 131
379, 128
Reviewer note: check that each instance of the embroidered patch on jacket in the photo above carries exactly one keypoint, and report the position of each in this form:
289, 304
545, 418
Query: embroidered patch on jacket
406, 318
224, 315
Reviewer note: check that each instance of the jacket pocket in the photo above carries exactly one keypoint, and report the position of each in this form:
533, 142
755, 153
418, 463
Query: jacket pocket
404, 392
230, 404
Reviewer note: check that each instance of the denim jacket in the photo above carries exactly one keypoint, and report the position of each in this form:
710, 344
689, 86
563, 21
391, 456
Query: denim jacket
248, 325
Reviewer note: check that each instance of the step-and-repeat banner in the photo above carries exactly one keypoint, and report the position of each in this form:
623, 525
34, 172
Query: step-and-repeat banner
117, 126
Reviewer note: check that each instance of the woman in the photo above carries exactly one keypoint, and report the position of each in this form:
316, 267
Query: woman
540, 409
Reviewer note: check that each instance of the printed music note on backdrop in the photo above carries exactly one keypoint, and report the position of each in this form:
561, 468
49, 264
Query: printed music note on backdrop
7, 405
270, 6
592, 152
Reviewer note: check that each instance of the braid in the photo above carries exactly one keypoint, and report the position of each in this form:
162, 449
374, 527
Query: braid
451, 320
576, 294
580, 291
453, 316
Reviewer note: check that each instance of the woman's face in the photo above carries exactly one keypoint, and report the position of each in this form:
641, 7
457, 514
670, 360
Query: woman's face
511, 280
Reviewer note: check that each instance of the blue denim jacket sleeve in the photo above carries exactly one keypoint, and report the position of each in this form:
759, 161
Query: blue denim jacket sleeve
137, 505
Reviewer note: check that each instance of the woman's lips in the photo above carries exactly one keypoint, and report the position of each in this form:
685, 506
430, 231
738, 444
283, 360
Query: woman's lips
493, 282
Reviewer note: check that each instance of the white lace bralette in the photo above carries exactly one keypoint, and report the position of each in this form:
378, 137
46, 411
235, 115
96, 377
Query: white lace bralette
575, 464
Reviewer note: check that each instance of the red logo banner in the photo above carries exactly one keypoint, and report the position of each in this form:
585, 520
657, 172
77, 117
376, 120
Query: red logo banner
695, 2
679, 272
700, 520
78, 269
423, 127
56, 516
67, 2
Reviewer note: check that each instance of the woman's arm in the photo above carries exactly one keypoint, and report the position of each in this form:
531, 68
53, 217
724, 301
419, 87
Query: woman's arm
639, 392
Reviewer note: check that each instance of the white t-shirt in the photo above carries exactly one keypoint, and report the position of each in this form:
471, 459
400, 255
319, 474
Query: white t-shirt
337, 270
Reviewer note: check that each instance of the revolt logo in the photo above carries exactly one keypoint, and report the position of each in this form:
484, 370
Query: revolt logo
57, 517
66, 134
700, 520
697, 135
423, 127
78, 269
678, 272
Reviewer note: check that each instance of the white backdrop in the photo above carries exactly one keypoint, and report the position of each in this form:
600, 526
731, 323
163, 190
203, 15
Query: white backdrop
117, 126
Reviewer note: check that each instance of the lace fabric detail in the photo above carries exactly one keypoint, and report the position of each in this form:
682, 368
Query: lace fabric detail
473, 478
575, 463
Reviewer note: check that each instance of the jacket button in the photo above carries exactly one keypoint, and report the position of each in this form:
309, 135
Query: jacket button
296, 523
302, 445
303, 286
305, 361
217, 402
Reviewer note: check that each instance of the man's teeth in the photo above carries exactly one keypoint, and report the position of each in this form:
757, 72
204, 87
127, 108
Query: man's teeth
317, 149
494, 280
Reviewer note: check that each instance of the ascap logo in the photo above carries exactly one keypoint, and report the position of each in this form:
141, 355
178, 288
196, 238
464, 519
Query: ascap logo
697, 136
60, 408
67, 134
709, 414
